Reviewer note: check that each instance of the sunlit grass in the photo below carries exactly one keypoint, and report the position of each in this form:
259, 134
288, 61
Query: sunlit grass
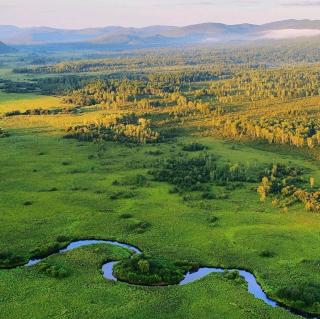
17, 101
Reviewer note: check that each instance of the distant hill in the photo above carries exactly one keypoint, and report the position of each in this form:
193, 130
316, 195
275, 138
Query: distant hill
116, 37
5, 49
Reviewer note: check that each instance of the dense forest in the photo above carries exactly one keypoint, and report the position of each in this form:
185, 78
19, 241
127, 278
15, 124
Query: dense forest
274, 54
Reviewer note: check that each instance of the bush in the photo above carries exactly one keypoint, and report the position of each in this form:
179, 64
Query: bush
44, 111
193, 174
267, 254
174, 190
138, 226
138, 180
146, 270
208, 195
141, 180
302, 295
27, 203
144, 266
287, 184
154, 153
231, 187
122, 195
125, 216
186, 173
222, 196
53, 271
10, 260
194, 147
234, 276
3, 133
45, 251
62, 239
213, 220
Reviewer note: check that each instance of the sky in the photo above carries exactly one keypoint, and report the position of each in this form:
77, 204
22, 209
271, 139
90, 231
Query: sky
75, 14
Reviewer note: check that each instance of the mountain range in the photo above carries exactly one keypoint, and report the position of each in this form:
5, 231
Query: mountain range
5, 49
115, 37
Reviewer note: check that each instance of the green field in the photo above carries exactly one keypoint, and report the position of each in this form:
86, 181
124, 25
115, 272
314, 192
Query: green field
102, 182
36, 161
20, 101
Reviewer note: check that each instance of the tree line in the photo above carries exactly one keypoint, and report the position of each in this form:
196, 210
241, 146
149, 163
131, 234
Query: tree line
125, 129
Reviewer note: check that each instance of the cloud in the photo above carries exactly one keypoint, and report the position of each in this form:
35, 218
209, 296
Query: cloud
303, 4
289, 34
227, 3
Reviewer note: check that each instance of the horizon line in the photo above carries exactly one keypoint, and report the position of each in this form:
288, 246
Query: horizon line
150, 26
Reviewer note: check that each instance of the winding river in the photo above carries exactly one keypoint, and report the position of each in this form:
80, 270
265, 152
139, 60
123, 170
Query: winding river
107, 269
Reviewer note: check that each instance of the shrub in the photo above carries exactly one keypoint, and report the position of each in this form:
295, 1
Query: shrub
125, 216
208, 195
138, 226
27, 203
231, 187
122, 195
45, 251
213, 220
234, 276
194, 147
146, 270
43, 111
10, 260
186, 173
62, 239
141, 180
53, 271
286, 183
144, 266
193, 174
154, 153
174, 190
222, 196
306, 294
266, 253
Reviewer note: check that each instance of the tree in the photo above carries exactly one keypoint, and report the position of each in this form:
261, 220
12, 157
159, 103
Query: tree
144, 266
264, 188
312, 182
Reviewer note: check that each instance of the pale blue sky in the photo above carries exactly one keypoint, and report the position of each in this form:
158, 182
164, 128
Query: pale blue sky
91, 13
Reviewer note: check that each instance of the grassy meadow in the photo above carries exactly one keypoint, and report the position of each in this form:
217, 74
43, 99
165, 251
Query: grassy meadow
54, 190
20, 101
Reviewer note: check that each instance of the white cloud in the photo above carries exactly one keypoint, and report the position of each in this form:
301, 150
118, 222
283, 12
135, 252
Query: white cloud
289, 33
